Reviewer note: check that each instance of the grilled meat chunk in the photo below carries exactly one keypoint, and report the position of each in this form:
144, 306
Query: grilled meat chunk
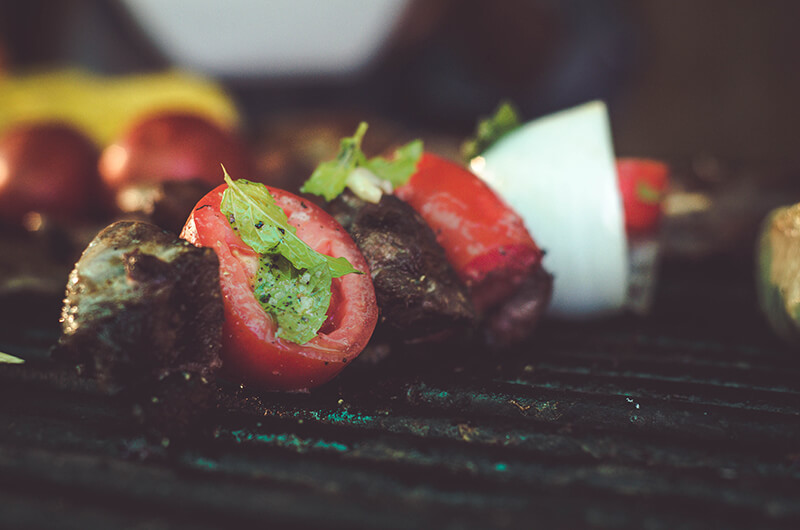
143, 309
418, 292
514, 320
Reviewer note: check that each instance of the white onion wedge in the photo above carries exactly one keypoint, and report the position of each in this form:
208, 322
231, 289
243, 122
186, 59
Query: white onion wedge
558, 172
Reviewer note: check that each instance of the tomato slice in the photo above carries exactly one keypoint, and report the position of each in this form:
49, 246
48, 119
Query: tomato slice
643, 183
484, 239
251, 352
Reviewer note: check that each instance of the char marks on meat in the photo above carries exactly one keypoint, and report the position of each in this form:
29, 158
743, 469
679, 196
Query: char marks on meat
143, 310
418, 292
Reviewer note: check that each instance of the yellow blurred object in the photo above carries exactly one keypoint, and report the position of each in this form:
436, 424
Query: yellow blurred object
103, 106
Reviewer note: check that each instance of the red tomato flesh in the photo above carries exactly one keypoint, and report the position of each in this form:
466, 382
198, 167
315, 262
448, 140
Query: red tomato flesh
485, 241
642, 183
251, 352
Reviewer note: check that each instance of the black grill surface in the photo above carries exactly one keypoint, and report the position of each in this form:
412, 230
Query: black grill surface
689, 418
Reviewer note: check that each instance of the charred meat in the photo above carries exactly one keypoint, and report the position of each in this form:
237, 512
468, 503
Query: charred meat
419, 294
513, 320
143, 310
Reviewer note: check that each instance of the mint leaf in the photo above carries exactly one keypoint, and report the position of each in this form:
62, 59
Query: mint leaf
297, 299
264, 227
647, 193
6, 358
329, 179
402, 165
489, 130
293, 281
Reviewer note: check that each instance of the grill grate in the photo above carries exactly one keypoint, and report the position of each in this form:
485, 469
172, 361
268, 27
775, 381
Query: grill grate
688, 419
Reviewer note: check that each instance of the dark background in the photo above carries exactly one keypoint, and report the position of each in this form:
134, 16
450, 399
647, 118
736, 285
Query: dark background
684, 78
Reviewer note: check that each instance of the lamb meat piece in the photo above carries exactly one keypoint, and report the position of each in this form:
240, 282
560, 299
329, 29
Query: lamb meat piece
419, 294
514, 320
143, 310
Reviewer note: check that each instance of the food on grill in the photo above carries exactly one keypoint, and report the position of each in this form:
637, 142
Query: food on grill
419, 294
778, 271
485, 240
513, 320
143, 310
298, 300
558, 173
294, 315
173, 157
47, 169
482, 238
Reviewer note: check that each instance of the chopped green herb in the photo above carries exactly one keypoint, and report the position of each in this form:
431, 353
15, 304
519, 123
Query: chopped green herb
329, 179
489, 130
293, 282
298, 299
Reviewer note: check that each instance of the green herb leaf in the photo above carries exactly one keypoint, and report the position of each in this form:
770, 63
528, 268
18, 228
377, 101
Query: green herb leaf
293, 281
402, 165
489, 130
298, 299
329, 179
5, 358
263, 226
647, 193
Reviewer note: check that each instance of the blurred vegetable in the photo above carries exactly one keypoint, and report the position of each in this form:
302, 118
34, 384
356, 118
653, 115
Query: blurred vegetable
50, 169
778, 271
105, 106
172, 146
643, 184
